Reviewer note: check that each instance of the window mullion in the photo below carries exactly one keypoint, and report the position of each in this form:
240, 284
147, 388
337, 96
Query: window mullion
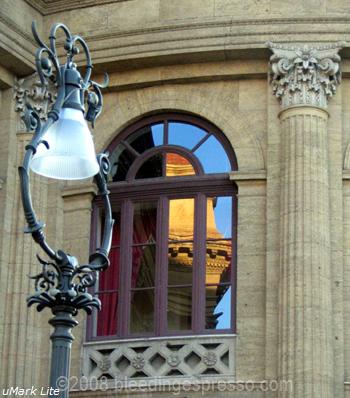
94, 243
198, 308
162, 266
125, 268
234, 263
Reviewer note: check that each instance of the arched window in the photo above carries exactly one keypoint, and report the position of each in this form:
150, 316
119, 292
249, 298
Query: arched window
173, 253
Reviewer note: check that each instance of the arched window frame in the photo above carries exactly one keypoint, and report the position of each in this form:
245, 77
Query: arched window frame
200, 187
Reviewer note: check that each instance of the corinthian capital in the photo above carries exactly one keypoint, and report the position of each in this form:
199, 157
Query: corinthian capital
304, 76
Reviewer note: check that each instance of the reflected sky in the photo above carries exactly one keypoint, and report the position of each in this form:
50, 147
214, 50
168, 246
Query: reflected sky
213, 156
157, 134
224, 306
185, 135
223, 216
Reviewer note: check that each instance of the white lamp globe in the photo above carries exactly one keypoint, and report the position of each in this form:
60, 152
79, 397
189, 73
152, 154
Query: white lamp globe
71, 154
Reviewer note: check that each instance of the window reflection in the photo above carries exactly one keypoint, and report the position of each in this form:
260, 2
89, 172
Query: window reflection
152, 168
144, 249
143, 266
219, 213
120, 160
177, 165
158, 271
181, 219
218, 307
108, 285
142, 311
145, 222
207, 148
180, 262
179, 308
146, 138
116, 226
185, 135
218, 261
213, 156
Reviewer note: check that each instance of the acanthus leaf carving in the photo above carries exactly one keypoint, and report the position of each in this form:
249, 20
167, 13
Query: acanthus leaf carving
305, 75
30, 90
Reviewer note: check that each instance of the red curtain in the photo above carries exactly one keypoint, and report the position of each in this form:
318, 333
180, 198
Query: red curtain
109, 280
144, 232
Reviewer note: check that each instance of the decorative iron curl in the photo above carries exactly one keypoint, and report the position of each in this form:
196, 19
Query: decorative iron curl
47, 277
48, 67
99, 259
44, 64
62, 282
86, 279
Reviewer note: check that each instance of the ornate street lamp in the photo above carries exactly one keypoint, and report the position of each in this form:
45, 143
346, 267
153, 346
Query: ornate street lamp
62, 148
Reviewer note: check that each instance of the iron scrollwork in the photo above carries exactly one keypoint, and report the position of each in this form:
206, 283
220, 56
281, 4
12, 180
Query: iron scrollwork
62, 283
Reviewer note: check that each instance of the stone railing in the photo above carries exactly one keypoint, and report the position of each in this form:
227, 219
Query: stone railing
161, 358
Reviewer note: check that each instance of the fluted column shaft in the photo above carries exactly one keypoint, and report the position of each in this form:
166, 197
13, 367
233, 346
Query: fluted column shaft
305, 345
304, 79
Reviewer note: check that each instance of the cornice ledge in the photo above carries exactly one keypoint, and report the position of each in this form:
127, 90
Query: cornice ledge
46, 8
207, 23
19, 45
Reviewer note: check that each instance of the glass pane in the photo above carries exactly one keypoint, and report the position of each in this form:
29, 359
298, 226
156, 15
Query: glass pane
146, 138
107, 317
145, 222
179, 308
185, 135
219, 217
177, 165
151, 168
109, 279
181, 219
213, 156
116, 226
143, 266
180, 262
218, 261
120, 160
218, 307
142, 311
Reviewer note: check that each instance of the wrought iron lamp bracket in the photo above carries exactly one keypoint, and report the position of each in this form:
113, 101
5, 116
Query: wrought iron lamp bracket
63, 284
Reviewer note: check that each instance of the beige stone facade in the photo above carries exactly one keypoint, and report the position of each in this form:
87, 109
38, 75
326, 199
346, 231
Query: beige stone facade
210, 58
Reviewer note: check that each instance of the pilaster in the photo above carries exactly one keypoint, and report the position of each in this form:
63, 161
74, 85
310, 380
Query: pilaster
24, 334
304, 79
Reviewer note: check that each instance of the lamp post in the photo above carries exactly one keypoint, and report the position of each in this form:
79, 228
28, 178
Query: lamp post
62, 148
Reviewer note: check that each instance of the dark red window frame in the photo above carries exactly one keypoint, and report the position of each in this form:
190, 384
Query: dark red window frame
162, 189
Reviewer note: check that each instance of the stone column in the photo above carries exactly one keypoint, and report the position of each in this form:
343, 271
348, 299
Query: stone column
303, 79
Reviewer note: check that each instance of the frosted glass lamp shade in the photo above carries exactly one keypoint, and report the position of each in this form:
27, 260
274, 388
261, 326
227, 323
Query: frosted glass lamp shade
71, 154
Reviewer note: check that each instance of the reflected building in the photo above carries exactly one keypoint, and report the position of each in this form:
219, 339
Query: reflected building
181, 254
